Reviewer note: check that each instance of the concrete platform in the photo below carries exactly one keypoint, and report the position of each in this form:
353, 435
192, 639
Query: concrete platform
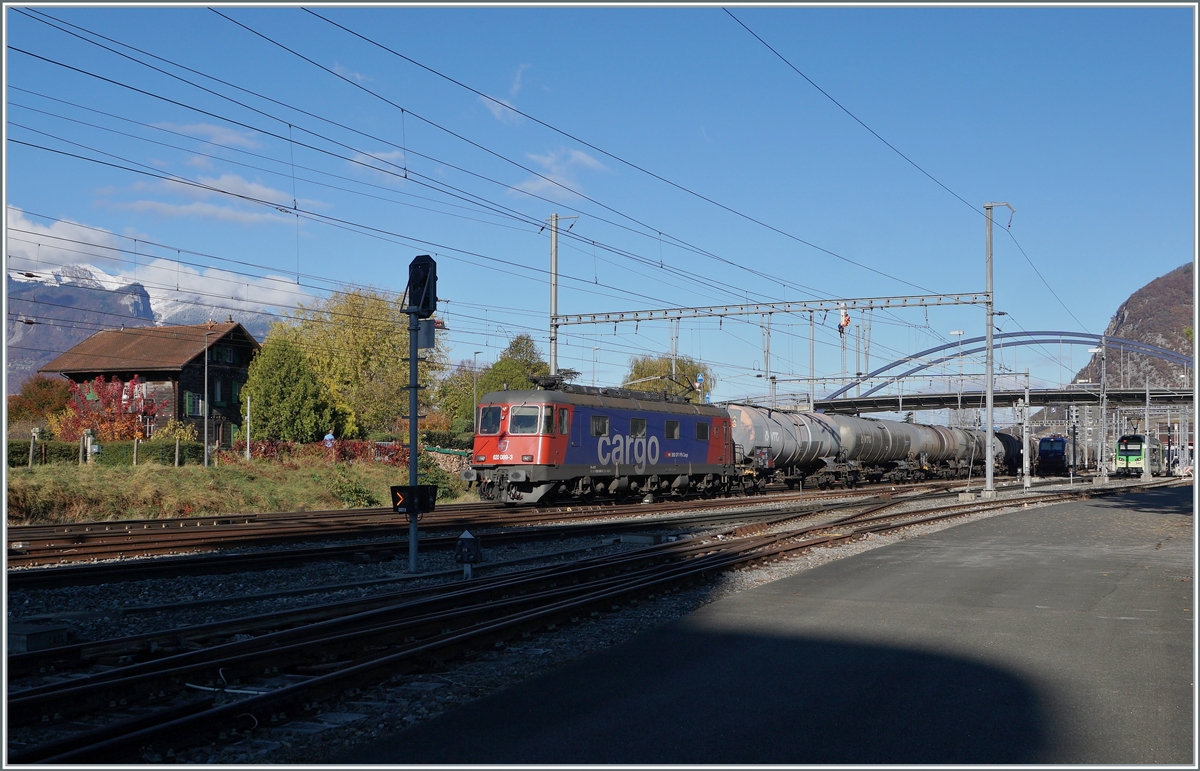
1055, 635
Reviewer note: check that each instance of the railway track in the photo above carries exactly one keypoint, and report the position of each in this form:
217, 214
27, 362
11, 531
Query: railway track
65, 544
173, 688
35, 545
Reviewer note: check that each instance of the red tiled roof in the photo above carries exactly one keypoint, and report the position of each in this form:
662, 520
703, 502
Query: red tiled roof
142, 349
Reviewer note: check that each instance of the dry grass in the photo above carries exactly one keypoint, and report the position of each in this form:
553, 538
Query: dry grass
66, 493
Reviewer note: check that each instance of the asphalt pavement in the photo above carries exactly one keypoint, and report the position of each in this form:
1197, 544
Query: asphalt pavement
1053, 635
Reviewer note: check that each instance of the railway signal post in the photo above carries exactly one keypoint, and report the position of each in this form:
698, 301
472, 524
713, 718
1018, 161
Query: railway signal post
422, 302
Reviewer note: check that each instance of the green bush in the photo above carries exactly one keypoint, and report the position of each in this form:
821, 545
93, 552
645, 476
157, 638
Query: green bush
448, 440
429, 473
352, 492
382, 437
52, 452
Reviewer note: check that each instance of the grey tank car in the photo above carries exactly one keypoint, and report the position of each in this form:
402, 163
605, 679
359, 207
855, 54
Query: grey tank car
823, 450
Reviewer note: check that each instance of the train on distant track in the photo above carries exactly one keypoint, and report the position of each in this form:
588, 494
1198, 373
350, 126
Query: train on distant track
566, 442
1134, 452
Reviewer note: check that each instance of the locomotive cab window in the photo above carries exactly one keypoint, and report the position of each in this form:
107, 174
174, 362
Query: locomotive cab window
637, 427
548, 421
523, 420
599, 425
564, 421
672, 430
489, 420
702, 432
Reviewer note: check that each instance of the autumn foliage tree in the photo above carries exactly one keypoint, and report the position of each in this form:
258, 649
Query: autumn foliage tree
39, 397
113, 409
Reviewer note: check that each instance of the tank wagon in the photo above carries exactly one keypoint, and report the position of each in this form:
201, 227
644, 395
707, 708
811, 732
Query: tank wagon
824, 450
583, 443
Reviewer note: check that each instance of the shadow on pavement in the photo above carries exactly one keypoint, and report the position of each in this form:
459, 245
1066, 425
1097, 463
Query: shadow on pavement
738, 699
1169, 500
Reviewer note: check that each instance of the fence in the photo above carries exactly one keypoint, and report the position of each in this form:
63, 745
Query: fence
111, 453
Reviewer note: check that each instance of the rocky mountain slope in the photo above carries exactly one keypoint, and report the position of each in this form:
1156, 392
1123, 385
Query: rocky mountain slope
1160, 313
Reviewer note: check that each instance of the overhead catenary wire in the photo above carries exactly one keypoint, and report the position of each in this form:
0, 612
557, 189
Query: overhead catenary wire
913, 163
774, 278
623, 160
403, 172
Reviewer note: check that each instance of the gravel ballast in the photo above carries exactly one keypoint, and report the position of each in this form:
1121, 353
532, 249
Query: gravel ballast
404, 700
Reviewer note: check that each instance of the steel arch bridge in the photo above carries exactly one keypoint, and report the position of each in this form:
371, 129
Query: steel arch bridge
1010, 339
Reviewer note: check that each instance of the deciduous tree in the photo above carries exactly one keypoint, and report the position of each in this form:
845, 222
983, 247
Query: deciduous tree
39, 397
113, 409
653, 373
357, 344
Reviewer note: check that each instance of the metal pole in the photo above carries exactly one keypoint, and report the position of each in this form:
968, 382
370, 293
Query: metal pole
674, 345
553, 295
1146, 438
248, 438
1025, 438
766, 339
989, 483
206, 410
475, 389
594, 365
1100, 457
412, 433
812, 366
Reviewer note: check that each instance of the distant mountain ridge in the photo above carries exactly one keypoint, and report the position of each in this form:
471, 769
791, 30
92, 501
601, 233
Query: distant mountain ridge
51, 313
1159, 314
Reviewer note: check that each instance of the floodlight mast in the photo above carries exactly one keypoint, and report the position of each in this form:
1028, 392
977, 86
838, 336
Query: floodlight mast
989, 488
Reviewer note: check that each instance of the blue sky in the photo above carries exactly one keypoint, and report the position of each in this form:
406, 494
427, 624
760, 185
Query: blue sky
1082, 118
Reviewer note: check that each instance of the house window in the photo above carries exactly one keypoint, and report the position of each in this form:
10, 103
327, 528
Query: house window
672, 430
229, 354
237, 391
217, 392
192, 403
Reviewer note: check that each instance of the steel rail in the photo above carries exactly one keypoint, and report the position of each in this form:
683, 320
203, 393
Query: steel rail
707, 557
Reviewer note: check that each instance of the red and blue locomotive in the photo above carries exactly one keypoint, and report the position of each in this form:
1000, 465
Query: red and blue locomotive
581, 442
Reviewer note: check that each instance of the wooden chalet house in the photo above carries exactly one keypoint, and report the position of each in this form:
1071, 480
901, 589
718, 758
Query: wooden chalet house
170, 362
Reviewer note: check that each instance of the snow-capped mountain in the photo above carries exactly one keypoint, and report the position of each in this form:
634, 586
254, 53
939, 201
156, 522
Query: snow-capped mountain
49, 312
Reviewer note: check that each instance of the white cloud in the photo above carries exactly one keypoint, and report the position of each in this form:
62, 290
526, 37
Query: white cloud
216, 134
225, 183
389, 163
239, 185
168, 281
42, 249
502, 109
200, 209
346, 72
516, 86
200, 162
561, 166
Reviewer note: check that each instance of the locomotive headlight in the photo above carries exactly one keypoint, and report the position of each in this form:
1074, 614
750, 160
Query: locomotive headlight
527, 459
480, 458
